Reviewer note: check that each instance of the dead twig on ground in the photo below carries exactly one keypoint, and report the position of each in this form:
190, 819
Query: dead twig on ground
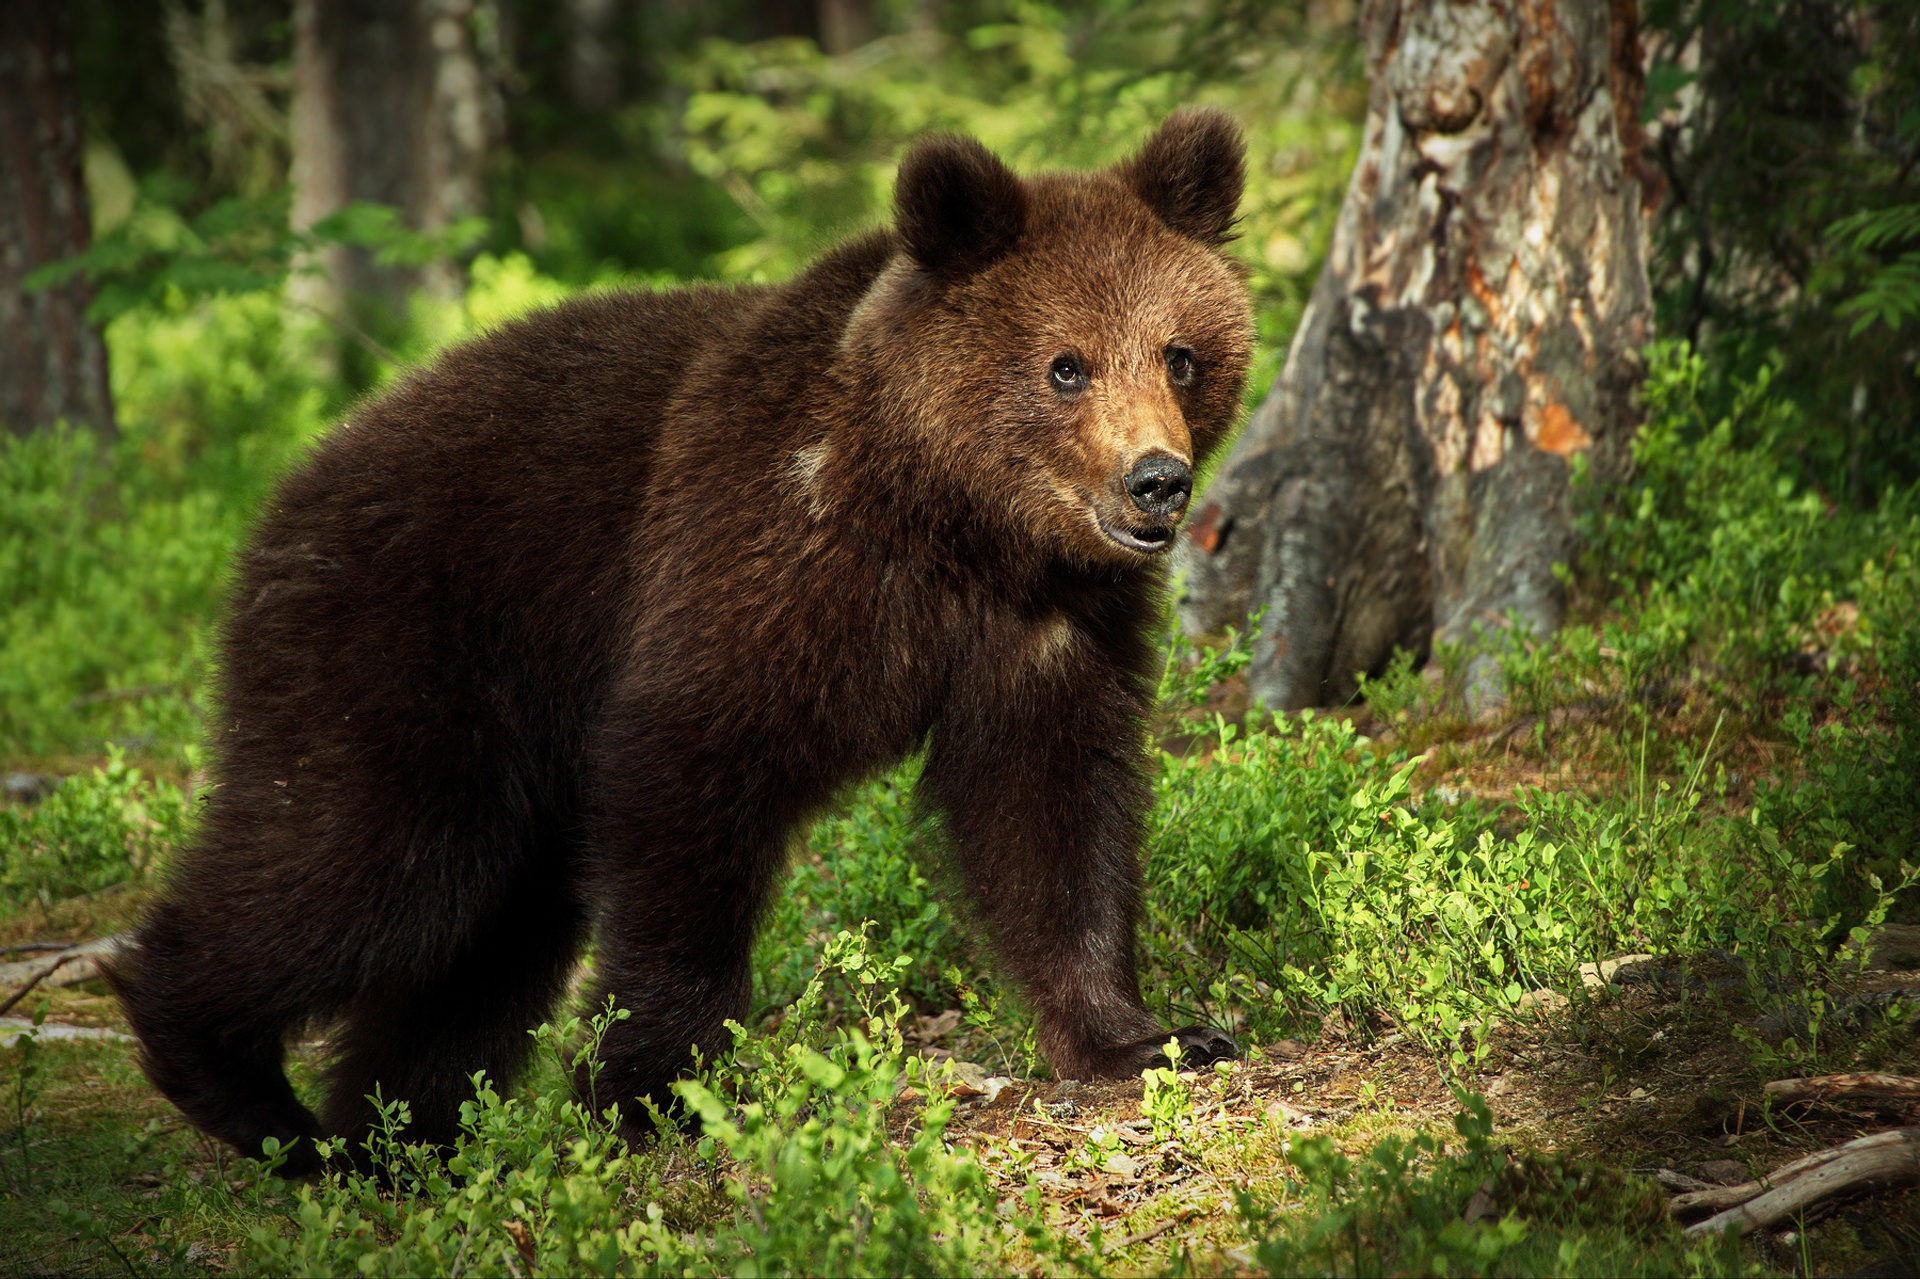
1883, 1160
37, 978
38, 970
1862, 1086
1145, 1236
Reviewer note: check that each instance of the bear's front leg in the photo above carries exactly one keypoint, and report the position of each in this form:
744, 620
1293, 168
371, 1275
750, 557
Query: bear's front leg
1039, 764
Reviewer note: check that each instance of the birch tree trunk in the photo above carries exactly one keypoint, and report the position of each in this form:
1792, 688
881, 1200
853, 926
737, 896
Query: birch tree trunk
393, 104
1478, 322
53, 365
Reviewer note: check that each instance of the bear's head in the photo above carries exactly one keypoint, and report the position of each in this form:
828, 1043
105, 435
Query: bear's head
1069, 347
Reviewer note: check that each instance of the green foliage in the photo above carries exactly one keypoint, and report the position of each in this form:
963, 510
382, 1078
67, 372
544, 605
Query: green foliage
92, 832
541, 1184
236, 245
825, 1189
1724, 560
1891, 294
1292, 862
876, 859
1787, 136
1419, 1207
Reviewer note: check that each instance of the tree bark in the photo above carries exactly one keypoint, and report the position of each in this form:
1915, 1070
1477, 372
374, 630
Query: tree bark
845, 24
393, 103
1478, 322
53, 365
593, 67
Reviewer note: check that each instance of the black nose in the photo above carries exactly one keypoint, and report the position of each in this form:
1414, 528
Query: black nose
1160, 485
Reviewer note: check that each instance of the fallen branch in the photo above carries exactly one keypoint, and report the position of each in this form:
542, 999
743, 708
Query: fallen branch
1822, 1087
37, 978
1883, 1160
1677, 1183
38, 970
21, 947
1178, 1219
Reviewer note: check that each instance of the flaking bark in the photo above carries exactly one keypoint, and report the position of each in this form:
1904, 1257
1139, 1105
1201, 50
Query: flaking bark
1478, 322
53, 365
393, 103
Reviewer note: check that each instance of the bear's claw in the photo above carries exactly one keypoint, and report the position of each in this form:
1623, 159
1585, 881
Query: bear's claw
1201, 1046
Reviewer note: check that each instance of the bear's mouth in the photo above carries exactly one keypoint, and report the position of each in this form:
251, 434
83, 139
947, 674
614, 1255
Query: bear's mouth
1148, 541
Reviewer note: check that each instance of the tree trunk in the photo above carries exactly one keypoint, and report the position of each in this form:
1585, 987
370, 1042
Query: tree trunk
593, 67
845, 24
1479, 321
393, 104
52, 363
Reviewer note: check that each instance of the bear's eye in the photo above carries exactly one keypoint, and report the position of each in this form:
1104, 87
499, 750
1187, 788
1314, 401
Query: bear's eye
1181, 366
1067, 374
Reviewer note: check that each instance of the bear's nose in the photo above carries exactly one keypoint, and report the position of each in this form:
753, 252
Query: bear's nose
1160, 485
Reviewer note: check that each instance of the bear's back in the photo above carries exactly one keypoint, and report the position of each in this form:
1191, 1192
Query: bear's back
443, 590
441, 587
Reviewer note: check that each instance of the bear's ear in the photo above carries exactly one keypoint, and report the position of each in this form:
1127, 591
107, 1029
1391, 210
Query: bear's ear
957, 206
1191, 173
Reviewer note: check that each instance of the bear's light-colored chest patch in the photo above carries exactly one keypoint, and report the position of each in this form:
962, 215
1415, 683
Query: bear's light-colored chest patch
806, 468
1049, 644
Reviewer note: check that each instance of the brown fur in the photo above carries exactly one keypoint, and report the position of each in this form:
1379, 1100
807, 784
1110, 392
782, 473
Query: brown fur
564, 636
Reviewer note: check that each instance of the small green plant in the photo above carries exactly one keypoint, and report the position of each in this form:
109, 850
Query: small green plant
1193, 671
1426, 1206
874, 860
1396, 691
95, 830
1167, 1101
1891, 294
26, 1089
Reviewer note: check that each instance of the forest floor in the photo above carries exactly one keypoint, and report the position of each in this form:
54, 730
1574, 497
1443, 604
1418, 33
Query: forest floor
1654, 1068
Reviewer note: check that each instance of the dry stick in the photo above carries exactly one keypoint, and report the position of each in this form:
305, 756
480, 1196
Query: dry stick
20, 946
1715, 1198
1178, 1219
38, 977
1883, 1160
1820, 1087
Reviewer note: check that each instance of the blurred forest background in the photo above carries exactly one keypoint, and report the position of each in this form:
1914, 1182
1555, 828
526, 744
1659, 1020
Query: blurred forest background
274, 207
334, 189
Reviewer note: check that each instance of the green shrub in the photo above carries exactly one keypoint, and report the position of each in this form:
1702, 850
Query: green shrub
540, 1184
876, 859
823, 1188
92, 832
1290, 874
1420, 1207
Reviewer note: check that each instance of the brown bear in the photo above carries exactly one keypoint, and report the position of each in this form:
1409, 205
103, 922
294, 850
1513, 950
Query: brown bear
563, 636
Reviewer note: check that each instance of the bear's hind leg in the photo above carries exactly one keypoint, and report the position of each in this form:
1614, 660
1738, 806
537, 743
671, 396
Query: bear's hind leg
422, 1043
